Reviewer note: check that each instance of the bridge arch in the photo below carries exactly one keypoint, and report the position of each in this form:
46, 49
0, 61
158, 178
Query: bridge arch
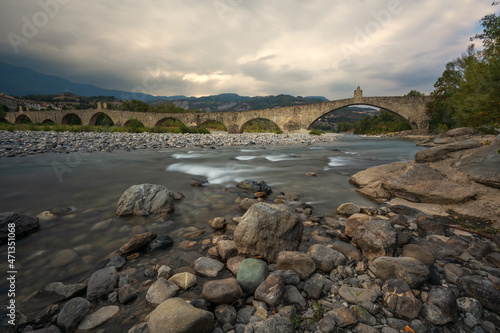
135, 122
23, 119
48, 122
71, 119
214, 124
399, 115
273, 127
169, 122
99, 117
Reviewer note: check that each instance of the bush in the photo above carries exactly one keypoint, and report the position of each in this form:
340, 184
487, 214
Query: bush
316, 132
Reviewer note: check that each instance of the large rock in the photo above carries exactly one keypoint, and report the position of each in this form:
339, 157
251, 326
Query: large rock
429, 186
267, 229
354, 221
160, 291
326, 258
276, 324
299, 262
482, 165
410, 270
146, 199
375, 239
442, 152
72, 313
254, 186
102, 282
380, 173
399, 298
348, 209
251, 273
226, 291
177, 316
19, 225
136, 243
441, 307
350, 251
484, 293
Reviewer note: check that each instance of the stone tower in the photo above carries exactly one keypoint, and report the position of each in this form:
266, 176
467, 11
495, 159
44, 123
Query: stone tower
358, 93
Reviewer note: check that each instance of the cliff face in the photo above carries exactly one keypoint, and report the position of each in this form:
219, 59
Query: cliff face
459, 175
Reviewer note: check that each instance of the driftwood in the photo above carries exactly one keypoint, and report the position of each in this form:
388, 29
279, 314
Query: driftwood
471, 231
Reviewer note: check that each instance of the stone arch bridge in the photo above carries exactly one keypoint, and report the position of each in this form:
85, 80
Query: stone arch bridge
290, 119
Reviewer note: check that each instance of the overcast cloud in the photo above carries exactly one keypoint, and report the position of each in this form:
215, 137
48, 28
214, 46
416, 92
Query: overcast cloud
249, 47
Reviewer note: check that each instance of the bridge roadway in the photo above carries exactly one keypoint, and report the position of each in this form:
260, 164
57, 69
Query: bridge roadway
290, 119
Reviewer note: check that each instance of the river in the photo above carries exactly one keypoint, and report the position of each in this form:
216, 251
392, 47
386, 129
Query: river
90, 185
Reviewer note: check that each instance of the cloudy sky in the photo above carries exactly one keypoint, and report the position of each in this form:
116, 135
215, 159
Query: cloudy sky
249, 47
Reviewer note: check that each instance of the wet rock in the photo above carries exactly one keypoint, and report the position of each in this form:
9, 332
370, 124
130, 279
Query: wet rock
348, 250
271, 290
93, 320
218, 223
136, 243
441, 307
315, 285
24, 225
398, 220
226, 291
399, 298
288, 276
73, 312
146, 199
63, 257
127, 294
208, 267
184, 280
246, 203
177, 316
233, 264
420, 253
160, 291
245, 314
225, 314
254, 186
298, 262
159, 243
376, 239
348, 209
267, 229
326, 258
118, 262
484, 293
357, 295
251, 273
410, 270
102, 282
343, 316
227, 249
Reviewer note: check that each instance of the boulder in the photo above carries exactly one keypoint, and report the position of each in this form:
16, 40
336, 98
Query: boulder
146, 199
102, 282
177, 316
442, 152
375, 239
271, 290
441, 307
226, 291
267, 229
410, 270
461, 131
399, 298
348, 209
136, 243
72, 313
299, 262
326, 258
20, 225
251, 273
482, 165
429, 225
254, 186
484, 293
160, 291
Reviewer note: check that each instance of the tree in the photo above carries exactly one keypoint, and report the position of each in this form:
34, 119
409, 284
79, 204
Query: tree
136, 105
3, 111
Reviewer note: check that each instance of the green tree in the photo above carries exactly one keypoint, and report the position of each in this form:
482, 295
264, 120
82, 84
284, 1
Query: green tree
415, 93
136, 105
3, 111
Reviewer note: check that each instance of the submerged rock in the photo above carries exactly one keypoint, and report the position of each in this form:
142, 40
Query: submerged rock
146, 199
23, 225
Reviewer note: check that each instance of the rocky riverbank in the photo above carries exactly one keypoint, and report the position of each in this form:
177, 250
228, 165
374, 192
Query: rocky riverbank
458, 176
22, 143
280, 268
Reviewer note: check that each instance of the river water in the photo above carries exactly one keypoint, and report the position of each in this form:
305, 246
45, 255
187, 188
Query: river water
90, 185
